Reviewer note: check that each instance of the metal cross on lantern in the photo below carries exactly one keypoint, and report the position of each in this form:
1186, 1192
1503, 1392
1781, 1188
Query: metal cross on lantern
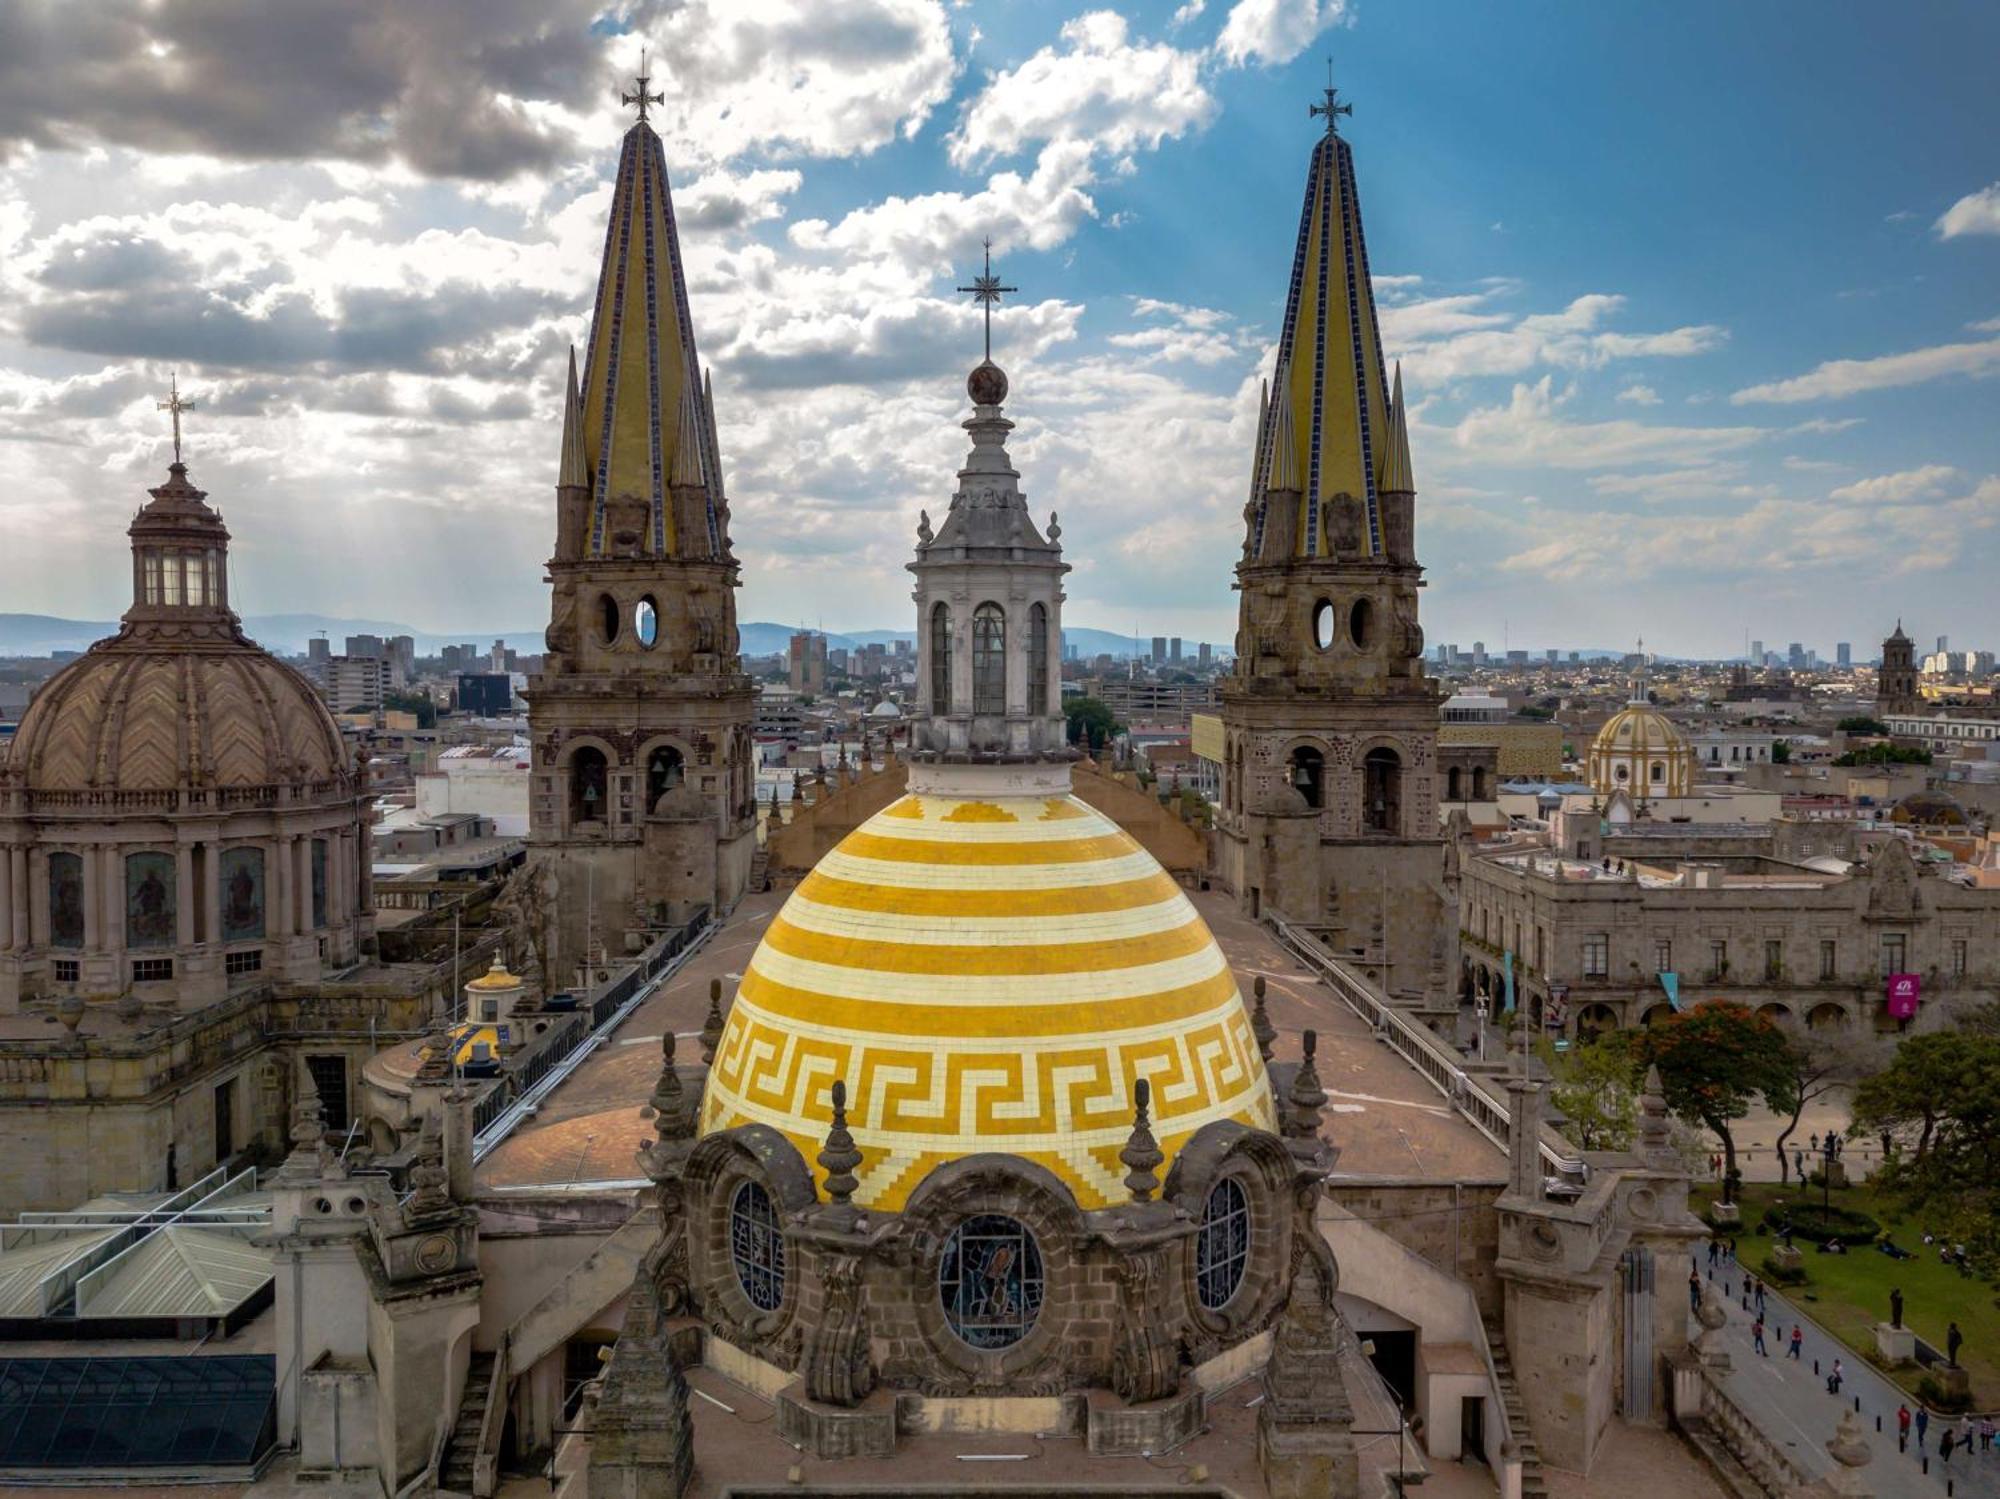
986, 291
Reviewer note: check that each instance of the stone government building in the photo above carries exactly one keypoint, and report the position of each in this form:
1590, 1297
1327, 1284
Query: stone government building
1805, 924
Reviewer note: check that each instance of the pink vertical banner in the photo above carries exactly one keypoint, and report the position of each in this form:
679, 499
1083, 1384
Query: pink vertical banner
1905, 989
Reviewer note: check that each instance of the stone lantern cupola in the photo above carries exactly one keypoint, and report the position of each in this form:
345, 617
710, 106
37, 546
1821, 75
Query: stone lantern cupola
989, 612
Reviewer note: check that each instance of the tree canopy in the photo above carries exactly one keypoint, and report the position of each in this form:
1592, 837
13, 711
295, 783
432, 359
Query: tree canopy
1886, 754
1861, 723
1593, 1088
1091, 722
1715, 1060
1939, 1100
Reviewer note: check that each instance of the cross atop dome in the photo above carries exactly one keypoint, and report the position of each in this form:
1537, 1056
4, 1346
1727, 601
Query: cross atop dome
640, 97
176, 404
1333, 109
986, 290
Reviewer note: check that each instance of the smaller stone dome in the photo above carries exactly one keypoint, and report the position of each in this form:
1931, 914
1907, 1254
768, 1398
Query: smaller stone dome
1641, 751
496, 978
179, 697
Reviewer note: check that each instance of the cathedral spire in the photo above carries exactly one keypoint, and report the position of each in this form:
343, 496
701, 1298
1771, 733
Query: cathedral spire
1398, 477
642, 369
1330, 392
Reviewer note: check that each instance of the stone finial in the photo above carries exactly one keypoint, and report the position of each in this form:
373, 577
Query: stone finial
308, 1121
429, 1182
924, 533
840, 1155
1307, 1096
1142, 1156
672, 1119
1655, 1128
1055, 530
711, 1028
1260, 1021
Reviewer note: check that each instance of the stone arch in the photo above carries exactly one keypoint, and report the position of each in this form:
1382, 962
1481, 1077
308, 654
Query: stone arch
674, 769
1826, 1016
1260, 1163
1382, 789
1775, 1012
1656, 1013
588, 765
1595, 1019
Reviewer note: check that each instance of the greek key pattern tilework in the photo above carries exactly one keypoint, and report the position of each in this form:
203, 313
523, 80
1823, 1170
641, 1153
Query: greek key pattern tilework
987, 976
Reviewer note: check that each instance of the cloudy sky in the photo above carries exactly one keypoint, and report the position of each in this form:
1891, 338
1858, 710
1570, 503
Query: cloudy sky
1699, 305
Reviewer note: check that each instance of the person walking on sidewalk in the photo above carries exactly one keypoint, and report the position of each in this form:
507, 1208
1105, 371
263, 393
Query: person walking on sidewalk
1923, 1424
1833, 1380
1985, 1433
1694, 1289
1798, 1340
1903, 1428
1757, 1292
1966, 1428
1944, 1447
1757, 1336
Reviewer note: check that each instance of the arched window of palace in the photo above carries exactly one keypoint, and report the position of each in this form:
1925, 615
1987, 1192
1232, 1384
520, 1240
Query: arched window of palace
150, 906
1222, 1247
990, 1281
242, 894
1307, 772
757, 1246
65, 900
1038, 659
318, 874
1382, 791
989, 659
587, 786
665, 770
941, 658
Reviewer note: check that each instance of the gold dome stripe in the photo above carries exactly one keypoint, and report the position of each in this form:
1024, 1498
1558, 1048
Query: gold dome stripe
897, 850
971, 1022
904, 900
1002, 931
988, 958
845, 982
986, 879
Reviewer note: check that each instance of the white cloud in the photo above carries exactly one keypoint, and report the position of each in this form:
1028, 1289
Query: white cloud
1898, 489
1453, 337
1274, 31
1099, 87
1975, 213
1639, 395
1530, 432
1849, 377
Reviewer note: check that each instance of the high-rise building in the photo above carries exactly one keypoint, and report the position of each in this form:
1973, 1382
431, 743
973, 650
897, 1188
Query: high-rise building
808, 662
1329, 797
643, 797
1159, 650
1756, 653
1174, 650
1478, 653
1944, 644
1205, 654
1843, 653
1552, 657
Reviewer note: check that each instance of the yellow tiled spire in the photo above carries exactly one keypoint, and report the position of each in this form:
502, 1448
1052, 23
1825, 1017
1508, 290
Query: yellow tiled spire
1331, 392
642, 376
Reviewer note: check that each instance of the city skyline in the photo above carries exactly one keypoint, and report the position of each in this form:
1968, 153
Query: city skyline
1658, 376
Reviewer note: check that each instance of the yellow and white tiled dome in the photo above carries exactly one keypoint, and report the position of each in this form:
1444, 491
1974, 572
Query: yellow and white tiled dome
987, 975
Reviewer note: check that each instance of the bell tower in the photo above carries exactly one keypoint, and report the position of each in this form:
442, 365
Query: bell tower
1329, 799
643, 803
1896, 685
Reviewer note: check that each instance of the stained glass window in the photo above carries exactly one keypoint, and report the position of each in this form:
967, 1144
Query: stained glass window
149, 900
1222, 1248
65, 900
757, 1245
990, 1281
242, 894
989, 659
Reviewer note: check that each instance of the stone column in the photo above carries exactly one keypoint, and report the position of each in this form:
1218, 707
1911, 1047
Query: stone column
184, 897
6, 899
95, 883
278, 886
111, 906
36, 869
212, 881
302, 871
23, 932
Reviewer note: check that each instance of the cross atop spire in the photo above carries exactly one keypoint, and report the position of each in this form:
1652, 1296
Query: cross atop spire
1333, 109
986, 291
641, 97
175, 404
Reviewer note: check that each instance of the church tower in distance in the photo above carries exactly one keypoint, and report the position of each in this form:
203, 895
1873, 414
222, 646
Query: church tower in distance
644, 785
1896, 684
1329, 801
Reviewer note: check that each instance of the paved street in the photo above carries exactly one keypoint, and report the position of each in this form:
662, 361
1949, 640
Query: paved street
1790, 1403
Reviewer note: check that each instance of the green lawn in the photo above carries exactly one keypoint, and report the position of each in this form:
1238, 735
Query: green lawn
1849, 1293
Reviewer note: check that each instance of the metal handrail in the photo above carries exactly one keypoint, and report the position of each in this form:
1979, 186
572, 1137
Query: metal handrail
1436, 1064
